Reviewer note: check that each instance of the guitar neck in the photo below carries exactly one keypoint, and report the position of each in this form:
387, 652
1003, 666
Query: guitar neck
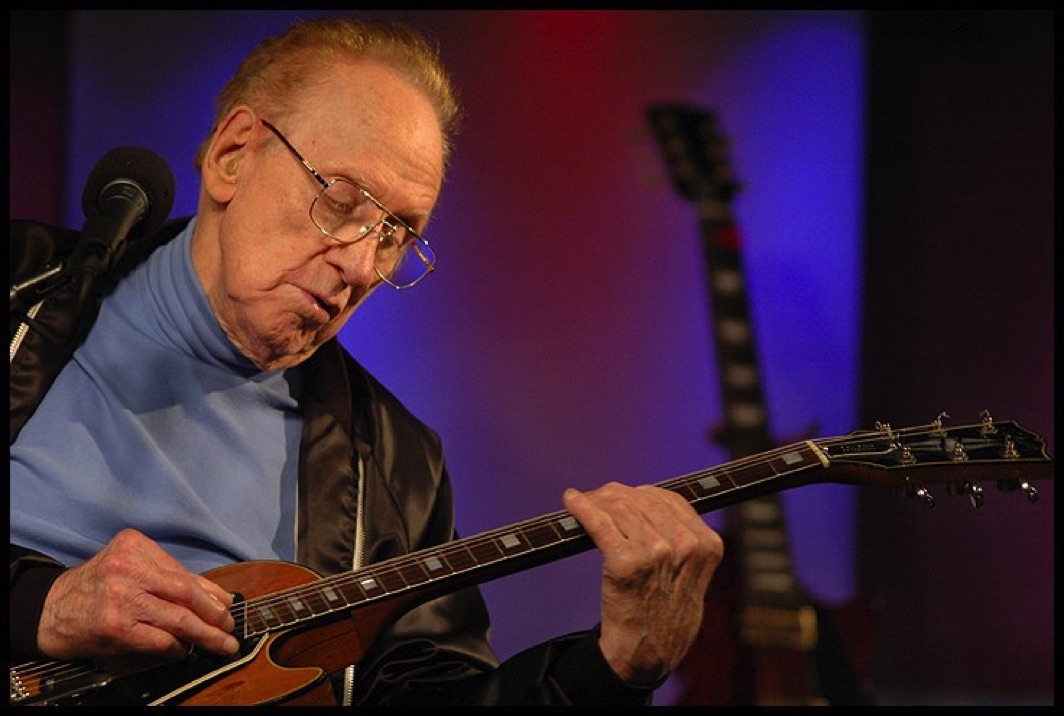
746, 430
1003, 452
505, 551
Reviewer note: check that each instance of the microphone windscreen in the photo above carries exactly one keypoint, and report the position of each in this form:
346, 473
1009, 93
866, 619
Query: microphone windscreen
144, 168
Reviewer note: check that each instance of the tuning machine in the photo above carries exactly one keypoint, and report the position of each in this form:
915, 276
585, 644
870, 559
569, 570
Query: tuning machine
922, 493
1025, 487
973, 489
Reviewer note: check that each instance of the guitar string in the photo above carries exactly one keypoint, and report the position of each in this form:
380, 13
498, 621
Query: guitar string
56, 672
407, 564
413, 563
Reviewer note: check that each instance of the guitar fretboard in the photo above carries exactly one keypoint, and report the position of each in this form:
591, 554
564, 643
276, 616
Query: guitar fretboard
506, 550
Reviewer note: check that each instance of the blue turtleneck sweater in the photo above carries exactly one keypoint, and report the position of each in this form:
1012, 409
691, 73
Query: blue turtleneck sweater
159, 423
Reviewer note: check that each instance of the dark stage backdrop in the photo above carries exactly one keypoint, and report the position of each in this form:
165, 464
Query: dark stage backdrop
896, 211
959, 316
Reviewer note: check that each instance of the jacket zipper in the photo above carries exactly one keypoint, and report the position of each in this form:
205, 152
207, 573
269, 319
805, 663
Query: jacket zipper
356, 563
23, 328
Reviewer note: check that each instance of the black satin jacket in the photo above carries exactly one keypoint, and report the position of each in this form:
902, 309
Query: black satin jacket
372, 481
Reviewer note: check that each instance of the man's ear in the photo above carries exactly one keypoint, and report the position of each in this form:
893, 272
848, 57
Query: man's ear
228, 148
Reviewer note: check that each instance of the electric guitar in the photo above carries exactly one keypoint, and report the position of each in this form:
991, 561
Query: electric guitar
761, 636
295, 627
762, 639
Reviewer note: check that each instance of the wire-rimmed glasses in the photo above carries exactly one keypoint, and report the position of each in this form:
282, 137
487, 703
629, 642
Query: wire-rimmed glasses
346, 213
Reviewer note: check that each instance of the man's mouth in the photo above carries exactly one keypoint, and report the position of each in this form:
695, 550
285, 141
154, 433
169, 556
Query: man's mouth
330, 309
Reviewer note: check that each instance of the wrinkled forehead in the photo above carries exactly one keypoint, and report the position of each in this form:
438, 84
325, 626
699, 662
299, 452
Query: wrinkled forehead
355, 107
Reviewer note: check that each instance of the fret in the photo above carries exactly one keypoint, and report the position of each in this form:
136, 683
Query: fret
369, 586
314, 600
252, 623
688, 489
750, 474
298, 603
569, 525
760, 511
758, 537
282, 609
694, 489
260, 617
390, 580
435, 566
413, 573
728, 282
738, 375
332, 597
709, 484
733, 332
745, 415
792, 461
458, 557
542, 535
486, 552
777, 582
511, 543
768, 561
350, 588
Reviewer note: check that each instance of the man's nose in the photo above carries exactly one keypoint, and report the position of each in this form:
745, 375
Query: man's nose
357, 261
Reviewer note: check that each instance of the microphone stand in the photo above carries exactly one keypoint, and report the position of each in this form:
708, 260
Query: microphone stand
38, 287
27, 294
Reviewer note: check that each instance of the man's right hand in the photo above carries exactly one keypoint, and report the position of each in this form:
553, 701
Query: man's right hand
134, 598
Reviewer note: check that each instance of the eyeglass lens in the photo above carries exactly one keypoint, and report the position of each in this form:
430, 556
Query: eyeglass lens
346, 214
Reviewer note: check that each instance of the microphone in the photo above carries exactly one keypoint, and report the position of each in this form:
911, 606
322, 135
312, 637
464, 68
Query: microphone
129, 193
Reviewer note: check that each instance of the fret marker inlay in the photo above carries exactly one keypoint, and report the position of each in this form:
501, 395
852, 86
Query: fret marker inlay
708, 482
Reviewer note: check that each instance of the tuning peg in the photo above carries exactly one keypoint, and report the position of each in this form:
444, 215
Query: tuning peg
987, 427
972, 489
922, 493
936, 424
1027, 488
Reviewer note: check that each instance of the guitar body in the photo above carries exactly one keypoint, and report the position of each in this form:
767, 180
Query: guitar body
284, 666
724, 670
289, 666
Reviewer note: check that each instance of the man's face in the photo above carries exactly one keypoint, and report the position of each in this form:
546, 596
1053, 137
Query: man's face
278, 286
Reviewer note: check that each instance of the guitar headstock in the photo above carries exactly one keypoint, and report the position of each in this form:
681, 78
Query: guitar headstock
696, 151
960, 457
